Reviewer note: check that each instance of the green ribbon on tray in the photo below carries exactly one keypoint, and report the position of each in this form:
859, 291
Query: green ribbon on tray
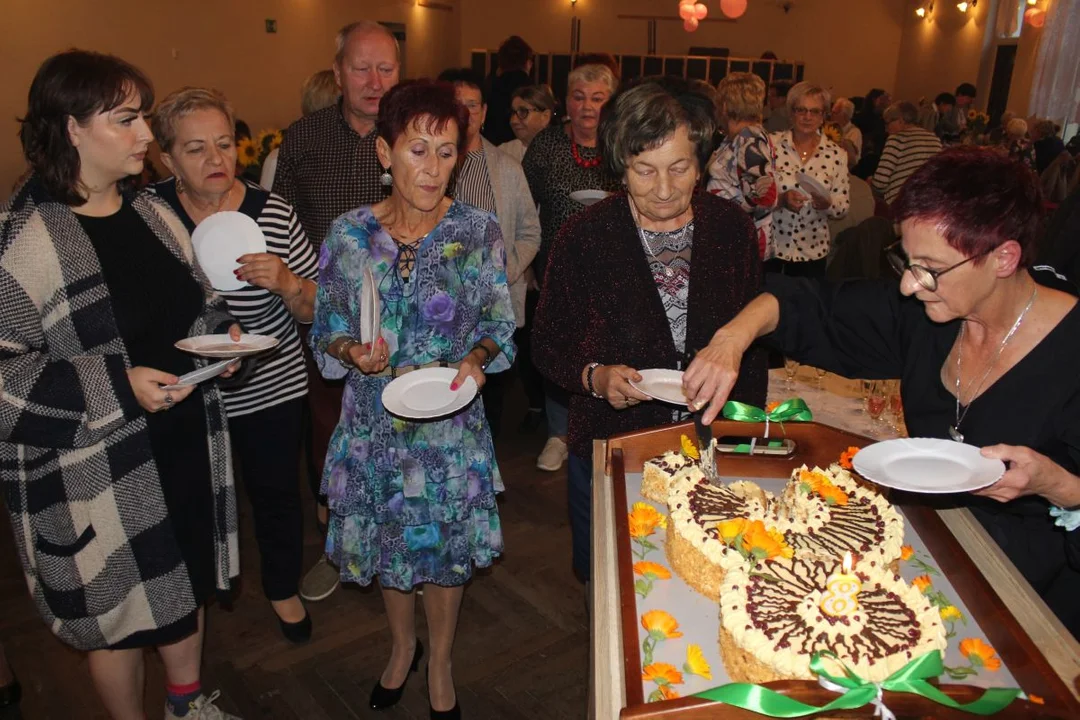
912, 678
793, 410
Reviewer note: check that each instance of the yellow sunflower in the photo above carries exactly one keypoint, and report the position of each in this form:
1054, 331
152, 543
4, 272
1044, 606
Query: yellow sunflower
660, 625
247, 152
696, 664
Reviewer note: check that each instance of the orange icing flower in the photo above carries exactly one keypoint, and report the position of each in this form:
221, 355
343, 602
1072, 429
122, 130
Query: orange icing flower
646, 568
662, 674
847, 456
763, 544
661, 625
906, 552
980, 654
923, 582
831, 494
688, 448
731, 529
667, 693
696, 664
644, 519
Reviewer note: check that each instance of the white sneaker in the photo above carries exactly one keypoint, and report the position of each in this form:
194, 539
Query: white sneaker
201, 708
553, 455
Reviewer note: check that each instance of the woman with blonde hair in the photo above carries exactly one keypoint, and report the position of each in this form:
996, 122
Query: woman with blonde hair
743, 169
319, 91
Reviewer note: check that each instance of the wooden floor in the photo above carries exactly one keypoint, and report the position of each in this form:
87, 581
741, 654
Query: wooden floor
521, 652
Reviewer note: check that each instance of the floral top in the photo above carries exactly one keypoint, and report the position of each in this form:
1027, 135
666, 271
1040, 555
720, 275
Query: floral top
804, 236
398, 471
743, 170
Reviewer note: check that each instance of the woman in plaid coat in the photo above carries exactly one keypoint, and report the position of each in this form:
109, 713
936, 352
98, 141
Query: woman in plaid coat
120, 493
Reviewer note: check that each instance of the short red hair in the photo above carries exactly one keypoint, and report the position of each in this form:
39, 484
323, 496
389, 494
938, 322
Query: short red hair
421, 103
977, 198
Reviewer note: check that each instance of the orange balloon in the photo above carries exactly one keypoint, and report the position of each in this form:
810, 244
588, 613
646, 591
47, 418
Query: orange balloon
690, 25
700, 11
1035, 17
686, 11
733, 8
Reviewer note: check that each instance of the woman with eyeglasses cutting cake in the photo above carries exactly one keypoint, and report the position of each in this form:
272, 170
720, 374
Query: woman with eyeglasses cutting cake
983, 343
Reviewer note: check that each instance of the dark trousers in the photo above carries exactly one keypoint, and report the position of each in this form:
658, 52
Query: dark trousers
811, 269
321, 416
267, 447
530, 377
579, 499
492, 392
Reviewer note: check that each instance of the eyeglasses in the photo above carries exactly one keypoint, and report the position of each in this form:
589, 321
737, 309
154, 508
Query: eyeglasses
523, 112
923, 275
812, 112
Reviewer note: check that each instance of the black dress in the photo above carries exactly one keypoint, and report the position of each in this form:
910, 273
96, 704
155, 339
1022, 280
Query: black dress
155, 300
867, 329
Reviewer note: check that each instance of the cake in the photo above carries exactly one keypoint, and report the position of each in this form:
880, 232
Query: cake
771, 621
716, 528
657, 473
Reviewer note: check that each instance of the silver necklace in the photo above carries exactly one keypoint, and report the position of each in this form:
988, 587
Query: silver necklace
954, 430
668, 271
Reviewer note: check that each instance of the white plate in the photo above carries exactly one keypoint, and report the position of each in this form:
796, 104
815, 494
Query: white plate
812, 185
426, 394
663, 385
370, 309
222, 346
927, 465
219, 240
588, 197
197, 376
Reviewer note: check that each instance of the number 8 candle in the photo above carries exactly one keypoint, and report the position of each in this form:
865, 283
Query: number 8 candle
841, 597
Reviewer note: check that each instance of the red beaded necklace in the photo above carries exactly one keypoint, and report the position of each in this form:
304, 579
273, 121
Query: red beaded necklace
582, 162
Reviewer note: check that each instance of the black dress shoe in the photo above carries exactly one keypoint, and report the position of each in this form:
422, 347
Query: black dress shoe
11, 693
297, 632
382, 698
453, 713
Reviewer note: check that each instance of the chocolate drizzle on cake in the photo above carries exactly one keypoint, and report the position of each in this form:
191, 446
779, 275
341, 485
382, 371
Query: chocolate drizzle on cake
711, 504
856, 526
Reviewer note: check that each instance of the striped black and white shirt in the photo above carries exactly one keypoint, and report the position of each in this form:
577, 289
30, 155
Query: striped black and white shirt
903, 154
279, 375
473, 183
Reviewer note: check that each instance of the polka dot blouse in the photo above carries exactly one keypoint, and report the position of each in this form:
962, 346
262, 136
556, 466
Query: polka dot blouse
804, 236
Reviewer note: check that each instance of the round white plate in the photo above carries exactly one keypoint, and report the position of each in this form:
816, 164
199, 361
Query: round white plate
588, 197
426, 394
197, 376
927, 465
219, 240
812, 185
663, 385
222, 346
370, 309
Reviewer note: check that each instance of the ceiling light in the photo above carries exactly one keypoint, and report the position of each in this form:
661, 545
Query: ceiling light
921, 12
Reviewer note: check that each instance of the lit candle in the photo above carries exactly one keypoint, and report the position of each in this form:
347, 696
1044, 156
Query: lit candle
841, 596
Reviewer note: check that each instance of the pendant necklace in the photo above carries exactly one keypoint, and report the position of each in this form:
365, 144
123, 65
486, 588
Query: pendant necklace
954, 430
668, 271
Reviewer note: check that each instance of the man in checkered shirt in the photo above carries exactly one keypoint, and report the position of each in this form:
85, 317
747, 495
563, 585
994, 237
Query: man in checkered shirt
328, 166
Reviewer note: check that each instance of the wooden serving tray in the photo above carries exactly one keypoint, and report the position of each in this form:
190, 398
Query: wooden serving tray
821, 445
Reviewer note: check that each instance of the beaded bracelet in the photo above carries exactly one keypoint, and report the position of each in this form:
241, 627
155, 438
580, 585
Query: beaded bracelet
589, 379
1068, 519
343, 351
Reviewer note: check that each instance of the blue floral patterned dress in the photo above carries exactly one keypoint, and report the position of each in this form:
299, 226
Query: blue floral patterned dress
413, 502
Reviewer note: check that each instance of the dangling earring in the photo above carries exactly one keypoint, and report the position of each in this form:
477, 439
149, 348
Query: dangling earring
386, 179
180, 189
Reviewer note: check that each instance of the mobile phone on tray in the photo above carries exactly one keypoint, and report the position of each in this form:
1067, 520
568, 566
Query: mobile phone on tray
740, 445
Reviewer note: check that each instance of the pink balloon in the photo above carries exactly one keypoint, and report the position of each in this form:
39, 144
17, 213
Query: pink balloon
700, 12
1036, 17
733, 8
690, 25
686, 11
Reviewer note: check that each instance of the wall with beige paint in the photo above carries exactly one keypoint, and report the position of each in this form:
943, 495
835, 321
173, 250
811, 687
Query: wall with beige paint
216, 42
851, 45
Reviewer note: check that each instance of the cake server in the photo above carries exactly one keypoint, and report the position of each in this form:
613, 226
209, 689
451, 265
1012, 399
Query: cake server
707, 447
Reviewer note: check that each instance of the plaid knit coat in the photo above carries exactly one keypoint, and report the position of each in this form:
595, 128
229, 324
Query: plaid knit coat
76, 467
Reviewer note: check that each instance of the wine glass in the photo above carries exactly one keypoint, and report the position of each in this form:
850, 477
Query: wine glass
876, 400
896, 406
791, 367
866, 386
820, 377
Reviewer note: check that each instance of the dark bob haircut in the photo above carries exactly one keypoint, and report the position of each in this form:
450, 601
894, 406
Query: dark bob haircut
977, 198
467, 77
514, 54
426, 104
644, 115
76, 84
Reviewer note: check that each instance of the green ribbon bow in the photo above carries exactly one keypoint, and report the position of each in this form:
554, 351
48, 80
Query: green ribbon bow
794, 409
912, 678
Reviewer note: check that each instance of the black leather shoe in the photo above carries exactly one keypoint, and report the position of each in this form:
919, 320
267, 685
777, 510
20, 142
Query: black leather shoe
453, 713
297, 632
11, 693
382, 698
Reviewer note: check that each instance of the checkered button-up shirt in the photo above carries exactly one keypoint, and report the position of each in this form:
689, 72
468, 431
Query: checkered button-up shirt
326, 169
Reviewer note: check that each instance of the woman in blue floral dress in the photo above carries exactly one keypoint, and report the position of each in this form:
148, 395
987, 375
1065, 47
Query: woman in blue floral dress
414, 502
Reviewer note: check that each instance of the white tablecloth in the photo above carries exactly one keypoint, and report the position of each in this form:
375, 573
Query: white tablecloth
838, 403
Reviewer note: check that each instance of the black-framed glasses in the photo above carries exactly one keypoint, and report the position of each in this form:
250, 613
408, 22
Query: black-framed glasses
923, 275
523, 112
812, 112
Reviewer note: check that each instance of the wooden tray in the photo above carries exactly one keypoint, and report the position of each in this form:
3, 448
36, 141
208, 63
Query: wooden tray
821, 445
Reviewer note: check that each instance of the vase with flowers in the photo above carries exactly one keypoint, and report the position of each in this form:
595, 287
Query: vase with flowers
251, 153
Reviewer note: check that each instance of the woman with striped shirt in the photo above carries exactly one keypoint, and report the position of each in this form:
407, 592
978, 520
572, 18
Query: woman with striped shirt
194, 128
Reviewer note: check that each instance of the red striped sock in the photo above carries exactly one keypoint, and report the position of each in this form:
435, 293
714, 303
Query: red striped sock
180, 697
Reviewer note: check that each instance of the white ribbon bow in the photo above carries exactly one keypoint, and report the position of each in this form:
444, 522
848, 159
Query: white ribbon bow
879, 704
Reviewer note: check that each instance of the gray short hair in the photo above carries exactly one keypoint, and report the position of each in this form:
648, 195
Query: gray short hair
539, 96
176, 106
806, 89
905, 111
645, 115
592, 73
741, 96
363, 27
319, 91
846, 106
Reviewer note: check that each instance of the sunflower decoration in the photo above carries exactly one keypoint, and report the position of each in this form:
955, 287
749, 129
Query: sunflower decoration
972, 114
247, 152
832, 131
266, 141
